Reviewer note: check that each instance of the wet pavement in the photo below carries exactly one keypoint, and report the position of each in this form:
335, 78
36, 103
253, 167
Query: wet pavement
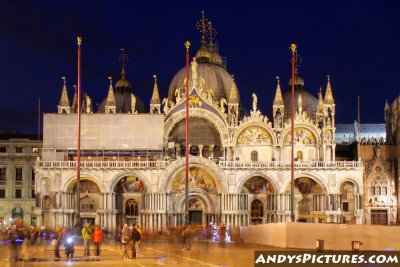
154, 253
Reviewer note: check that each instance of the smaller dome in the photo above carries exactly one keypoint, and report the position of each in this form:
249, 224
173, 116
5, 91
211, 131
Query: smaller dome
123, 83
309, 102
215, 58
203, 54
297, 79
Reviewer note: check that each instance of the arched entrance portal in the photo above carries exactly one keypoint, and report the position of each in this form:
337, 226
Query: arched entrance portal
89, 201
128, 194
307, 197
203, 196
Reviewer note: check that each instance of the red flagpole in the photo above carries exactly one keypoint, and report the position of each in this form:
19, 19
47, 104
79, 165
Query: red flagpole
293, 48
187, 45
78, 149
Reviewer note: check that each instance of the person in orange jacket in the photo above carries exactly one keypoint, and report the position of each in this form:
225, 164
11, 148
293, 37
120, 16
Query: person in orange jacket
97, 238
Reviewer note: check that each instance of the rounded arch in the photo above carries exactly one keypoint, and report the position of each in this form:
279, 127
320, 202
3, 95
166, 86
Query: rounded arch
207, 202
172, 170
70, 182
348, 179
242, 180
180, 115
121, 175
47, 202
265, 127
312, 129
312, 176
43, 184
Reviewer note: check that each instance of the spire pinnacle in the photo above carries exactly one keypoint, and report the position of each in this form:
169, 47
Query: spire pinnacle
155, 98
278, 101
233, 95
202, 27
212, 33
64, 100
123, 82
110, 97
328, 93
320, 101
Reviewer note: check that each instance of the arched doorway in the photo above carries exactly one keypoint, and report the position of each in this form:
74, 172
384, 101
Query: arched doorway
347, 200
307, 198
128, 193
196, 210
89, 201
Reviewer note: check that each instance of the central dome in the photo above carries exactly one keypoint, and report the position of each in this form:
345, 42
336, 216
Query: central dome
215, 77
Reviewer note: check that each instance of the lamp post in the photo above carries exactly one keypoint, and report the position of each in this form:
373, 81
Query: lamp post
78, 149
293, 47
187, 45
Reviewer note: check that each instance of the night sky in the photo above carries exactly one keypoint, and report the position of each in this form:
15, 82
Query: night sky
355, 42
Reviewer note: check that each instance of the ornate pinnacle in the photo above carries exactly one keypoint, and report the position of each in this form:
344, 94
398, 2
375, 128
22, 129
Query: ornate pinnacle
202, 27
187, 45
277, 79
212, 33
79, 40
293, 47
123, 58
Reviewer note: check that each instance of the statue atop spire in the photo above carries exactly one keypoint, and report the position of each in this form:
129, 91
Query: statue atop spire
63, 105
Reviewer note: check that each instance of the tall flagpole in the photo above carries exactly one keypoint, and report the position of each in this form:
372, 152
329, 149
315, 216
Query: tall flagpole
293, 48
187, 45
78, 149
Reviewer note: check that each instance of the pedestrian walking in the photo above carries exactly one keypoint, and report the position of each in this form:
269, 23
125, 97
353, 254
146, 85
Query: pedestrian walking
136, 237
125, 239
139, 244
97, 239
57, 241
87, 236
186, 245
222, 234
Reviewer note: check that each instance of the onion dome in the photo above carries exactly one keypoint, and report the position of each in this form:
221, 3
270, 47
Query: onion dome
308, 101
215, 77
123, 84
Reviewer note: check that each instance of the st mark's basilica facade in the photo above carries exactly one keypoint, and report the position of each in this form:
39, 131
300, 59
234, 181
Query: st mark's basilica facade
133, 163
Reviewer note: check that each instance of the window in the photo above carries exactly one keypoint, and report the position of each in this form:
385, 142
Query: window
345, 206
18, 193
18, 174
35, 149
3, 174
2, 193
18, 149
3, 149
131, 208
33, 195
33, 176
254, 156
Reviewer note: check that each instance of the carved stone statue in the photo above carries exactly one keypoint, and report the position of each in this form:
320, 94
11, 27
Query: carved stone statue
254, 102
165, 102
194, 69
89, 108
133, 103
222, 103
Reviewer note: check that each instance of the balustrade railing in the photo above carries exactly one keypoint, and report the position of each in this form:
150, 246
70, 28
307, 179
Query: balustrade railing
287, 165
103, 164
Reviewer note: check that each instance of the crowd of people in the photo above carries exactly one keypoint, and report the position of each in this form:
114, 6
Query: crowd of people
129, 236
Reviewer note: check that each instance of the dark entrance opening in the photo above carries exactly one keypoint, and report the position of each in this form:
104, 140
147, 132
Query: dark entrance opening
195, 217
379, 217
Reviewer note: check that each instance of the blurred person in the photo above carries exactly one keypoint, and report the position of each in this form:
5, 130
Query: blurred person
58, 236
138, 247
34, 233
222, 234
186, 238
97, 238
87, 236
136, 237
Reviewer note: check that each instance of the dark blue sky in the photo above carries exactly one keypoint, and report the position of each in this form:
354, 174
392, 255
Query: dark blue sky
356, 42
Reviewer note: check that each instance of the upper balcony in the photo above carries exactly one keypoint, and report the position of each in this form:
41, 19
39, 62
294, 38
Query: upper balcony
162, 164
112, 164
302, 165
